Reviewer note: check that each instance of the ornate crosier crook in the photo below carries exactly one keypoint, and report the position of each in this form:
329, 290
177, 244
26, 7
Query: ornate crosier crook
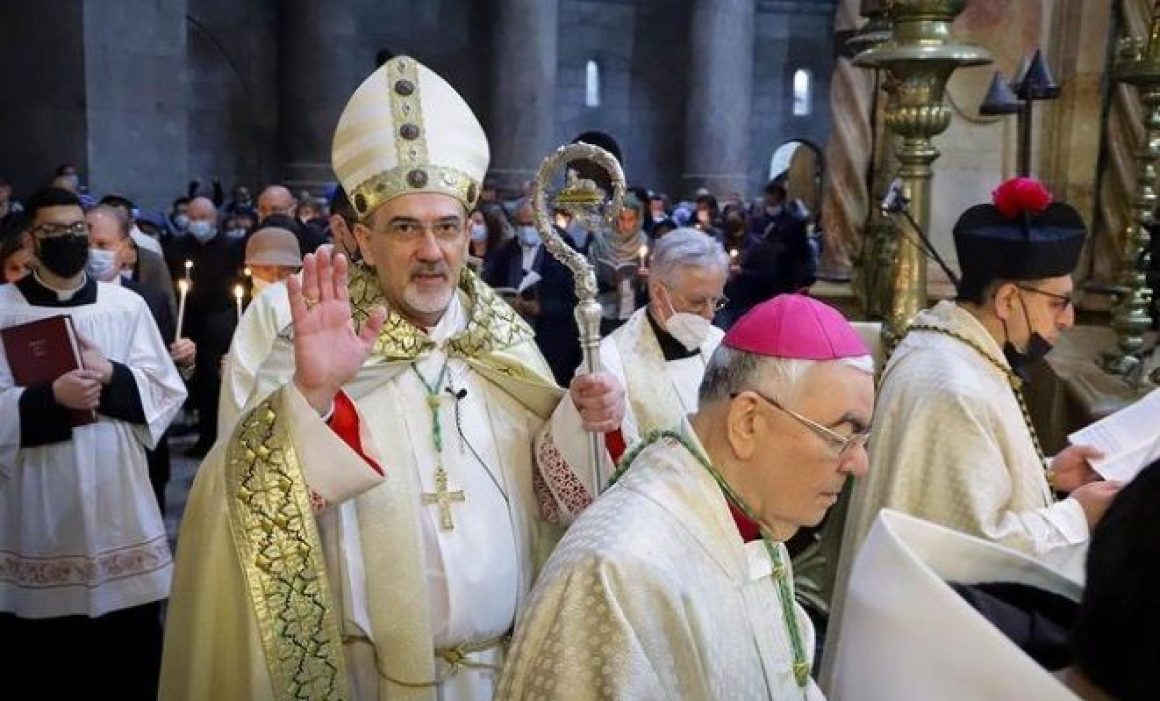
585, 200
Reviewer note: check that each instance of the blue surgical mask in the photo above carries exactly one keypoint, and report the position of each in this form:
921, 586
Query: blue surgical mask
528, 236
181, 221
236, 234
202, 230
101, 264
478, 232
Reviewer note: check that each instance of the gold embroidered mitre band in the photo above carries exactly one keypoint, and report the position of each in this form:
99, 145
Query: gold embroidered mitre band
406, 130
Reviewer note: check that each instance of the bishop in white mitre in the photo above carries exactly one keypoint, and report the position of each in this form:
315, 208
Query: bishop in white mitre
370, 528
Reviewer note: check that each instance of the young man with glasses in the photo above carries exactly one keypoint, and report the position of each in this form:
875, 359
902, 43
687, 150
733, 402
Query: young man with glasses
676, 583
954, 442
659, 354
86, 560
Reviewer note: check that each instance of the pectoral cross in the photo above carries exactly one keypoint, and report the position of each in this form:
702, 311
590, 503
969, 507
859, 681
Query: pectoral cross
443, 497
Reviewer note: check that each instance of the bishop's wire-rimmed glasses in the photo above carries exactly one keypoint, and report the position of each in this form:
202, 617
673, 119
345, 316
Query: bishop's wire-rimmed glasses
844, 444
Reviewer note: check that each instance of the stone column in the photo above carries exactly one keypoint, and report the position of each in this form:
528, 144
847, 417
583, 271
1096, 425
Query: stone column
321, 61
720, 96
523, 101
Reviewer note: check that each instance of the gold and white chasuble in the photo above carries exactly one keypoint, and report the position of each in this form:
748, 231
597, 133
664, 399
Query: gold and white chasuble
951, 446
652, 594
659, 394
303, 573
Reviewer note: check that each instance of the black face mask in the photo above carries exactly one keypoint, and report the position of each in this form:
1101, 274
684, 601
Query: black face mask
1037, 348
64, 256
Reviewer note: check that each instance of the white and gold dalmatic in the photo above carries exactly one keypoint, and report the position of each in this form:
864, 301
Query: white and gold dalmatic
951, 445
303, 572
654, 595
660, 394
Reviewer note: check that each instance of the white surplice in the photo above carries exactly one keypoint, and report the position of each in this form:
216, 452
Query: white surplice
470, 579
653, 594
267, 316
908, 636
659, 394
80, 529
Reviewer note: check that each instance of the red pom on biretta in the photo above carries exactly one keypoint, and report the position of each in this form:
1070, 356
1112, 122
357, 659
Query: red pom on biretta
1019, 195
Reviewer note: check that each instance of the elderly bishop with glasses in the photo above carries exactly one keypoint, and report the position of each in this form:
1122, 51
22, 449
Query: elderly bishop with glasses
676, 583
954, 442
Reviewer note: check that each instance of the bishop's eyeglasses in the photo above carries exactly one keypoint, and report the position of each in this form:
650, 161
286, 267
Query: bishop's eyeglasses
841, 445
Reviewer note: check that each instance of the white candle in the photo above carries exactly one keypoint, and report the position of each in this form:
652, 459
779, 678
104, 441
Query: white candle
643, 255
733, 253
188, 268
238, 292
183, 287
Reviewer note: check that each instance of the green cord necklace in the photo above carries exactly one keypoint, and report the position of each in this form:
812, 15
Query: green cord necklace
442, 496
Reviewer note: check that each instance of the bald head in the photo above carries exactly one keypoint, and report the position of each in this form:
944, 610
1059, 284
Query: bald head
202, 208
107, 222
275, 200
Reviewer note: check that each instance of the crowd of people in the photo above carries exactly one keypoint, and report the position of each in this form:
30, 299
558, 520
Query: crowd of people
411, 487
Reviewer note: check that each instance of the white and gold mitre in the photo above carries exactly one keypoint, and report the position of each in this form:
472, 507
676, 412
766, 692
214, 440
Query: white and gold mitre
406, 130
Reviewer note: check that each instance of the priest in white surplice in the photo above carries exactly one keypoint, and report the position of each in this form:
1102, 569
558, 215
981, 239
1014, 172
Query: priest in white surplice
676, 583
376, 542
84, 558
659, 356
953, 440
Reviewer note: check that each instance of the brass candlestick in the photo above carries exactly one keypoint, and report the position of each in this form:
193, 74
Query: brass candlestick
920, 57
1138, 64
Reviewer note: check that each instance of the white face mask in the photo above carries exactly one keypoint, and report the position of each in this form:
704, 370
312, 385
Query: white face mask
478, 232
259, 284
102, 265
690, 330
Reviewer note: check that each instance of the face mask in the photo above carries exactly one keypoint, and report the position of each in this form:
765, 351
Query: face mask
774, 210
478, 232
126, 274
63, 255
202, 230
101, 264
259, 284
690, 330
528, 236
181, 221
1037, 348
236, 234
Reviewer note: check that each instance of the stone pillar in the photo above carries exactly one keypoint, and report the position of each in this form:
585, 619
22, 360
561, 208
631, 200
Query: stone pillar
523, 103
321, 60
135, 75
720, 96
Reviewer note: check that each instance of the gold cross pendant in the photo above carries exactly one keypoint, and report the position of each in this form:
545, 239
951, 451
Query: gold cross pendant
443, 497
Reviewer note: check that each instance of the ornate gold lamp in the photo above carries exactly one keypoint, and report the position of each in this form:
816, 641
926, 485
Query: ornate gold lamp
1138, 64
920, 57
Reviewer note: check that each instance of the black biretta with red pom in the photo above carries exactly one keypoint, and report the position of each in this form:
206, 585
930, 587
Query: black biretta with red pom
1021, 235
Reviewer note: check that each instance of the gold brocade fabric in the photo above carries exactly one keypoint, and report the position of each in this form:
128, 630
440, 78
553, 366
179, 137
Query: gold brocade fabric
281, 554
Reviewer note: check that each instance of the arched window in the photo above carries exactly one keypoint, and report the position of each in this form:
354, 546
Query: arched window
802, 97
591, 84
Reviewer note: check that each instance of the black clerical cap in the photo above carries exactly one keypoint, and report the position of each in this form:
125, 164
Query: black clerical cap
1021, 235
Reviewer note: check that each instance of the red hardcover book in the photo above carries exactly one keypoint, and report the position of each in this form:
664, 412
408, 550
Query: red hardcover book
43, 350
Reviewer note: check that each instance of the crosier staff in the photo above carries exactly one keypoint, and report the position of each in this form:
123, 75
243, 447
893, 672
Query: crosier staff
581, 198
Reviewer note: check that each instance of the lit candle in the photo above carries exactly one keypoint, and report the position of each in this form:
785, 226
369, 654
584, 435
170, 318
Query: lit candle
246, 271
188, 268
643, 255
733, 254
238, 292
183, 287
